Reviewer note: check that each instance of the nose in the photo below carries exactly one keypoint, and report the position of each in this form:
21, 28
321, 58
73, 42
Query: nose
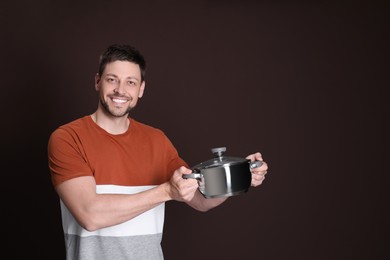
119, 88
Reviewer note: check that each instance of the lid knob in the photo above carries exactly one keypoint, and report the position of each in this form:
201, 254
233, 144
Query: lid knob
218, 151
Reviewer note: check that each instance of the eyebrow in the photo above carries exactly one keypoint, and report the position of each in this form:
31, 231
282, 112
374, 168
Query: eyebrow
115, 76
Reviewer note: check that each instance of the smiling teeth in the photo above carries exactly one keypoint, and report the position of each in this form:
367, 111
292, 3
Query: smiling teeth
119, 100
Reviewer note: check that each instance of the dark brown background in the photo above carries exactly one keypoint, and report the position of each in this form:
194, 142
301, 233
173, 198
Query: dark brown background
301, 81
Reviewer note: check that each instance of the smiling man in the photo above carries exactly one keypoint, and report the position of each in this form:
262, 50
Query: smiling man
114, 174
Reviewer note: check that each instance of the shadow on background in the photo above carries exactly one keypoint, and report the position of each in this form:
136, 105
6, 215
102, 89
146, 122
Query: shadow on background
303, 83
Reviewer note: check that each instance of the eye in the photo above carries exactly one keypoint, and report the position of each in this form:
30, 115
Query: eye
131, 83
111, 80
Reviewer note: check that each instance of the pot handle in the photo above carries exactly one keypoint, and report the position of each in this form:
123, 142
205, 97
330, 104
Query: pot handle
192, 175
255, 164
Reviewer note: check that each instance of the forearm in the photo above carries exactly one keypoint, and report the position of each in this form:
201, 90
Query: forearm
113, 209
95, 211
200, 203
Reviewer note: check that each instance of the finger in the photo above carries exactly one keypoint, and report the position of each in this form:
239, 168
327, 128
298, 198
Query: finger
263, 167
258, 176
256, 181
258, 156
184, 170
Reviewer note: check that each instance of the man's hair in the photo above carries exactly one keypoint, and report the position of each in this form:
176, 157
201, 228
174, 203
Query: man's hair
122, 53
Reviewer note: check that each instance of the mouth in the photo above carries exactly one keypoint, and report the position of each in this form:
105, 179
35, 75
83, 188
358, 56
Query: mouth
119, 101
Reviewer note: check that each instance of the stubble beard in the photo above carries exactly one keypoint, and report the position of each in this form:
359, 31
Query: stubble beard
113, 112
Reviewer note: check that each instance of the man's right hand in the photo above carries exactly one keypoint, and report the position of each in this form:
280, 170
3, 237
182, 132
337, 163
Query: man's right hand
182, 189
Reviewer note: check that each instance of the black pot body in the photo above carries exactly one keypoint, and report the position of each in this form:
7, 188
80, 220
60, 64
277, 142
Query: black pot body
224, 181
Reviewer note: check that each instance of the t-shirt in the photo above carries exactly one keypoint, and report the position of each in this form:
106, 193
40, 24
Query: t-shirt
139, 159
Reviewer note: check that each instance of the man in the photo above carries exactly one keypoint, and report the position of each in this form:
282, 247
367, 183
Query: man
113, 174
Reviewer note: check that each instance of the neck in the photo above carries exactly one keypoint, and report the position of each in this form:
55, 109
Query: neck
113, 125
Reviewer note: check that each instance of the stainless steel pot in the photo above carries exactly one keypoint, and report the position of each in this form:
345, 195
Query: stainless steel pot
223, 176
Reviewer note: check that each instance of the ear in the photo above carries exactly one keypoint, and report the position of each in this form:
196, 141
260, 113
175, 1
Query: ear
142, 89
97, 81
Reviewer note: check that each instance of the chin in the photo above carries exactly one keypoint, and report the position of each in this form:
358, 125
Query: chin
121, 112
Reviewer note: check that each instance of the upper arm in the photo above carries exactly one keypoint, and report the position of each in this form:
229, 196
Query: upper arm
78, 195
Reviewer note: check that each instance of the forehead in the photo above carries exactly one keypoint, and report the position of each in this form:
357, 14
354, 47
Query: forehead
123, 69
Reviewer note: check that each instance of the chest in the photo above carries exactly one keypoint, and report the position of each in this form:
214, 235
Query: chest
126, 161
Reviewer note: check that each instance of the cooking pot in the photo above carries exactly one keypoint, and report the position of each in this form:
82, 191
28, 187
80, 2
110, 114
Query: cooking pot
223, 176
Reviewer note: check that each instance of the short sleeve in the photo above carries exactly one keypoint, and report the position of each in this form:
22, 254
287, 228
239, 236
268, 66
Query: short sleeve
66, 157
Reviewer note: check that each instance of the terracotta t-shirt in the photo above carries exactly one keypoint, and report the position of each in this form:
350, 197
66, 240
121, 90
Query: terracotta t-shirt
141, 156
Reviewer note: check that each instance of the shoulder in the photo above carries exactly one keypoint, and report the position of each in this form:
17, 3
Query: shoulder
144, 128
71, 128
149, 134
77, 123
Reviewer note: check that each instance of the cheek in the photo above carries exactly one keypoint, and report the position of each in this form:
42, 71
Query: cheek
104, 89
133, 92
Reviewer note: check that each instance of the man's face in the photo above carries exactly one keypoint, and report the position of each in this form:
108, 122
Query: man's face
119, 87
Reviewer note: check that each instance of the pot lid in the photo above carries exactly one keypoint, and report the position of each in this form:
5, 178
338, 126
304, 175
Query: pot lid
219, 160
